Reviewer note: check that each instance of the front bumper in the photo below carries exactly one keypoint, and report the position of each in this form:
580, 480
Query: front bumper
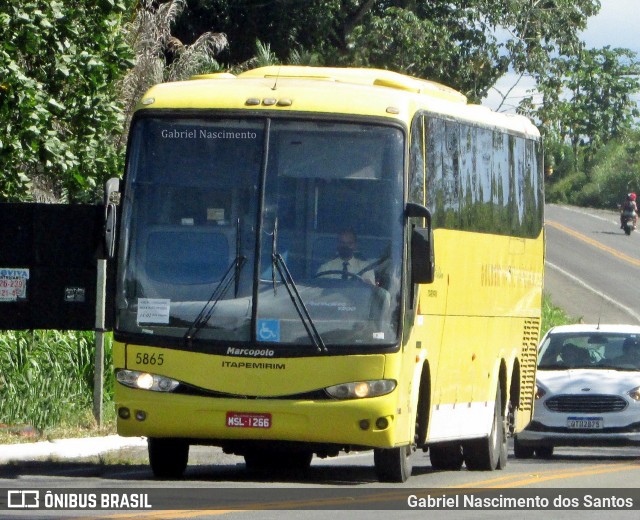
539, 434
202, 418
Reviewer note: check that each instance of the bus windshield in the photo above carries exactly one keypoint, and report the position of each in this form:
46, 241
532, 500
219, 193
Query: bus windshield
216, 210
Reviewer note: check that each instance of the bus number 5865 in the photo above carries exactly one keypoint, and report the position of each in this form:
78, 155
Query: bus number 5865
149, 359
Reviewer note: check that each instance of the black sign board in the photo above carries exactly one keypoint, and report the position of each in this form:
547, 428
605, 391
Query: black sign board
48, 265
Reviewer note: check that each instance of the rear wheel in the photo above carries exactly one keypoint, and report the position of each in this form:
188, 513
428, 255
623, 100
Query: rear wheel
393, 464
168, 457
490, 453
446, 457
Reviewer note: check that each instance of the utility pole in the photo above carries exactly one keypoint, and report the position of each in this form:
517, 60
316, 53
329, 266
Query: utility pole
98, 375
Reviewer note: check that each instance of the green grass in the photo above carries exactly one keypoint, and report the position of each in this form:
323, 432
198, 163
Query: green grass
46, 381
552, 315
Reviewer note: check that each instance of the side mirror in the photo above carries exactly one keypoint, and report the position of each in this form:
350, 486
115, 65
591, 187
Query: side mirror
111, 202
422, 256
422, 252
413, 210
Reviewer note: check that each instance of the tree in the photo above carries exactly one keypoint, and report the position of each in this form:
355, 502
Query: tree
159, 56
587, 98
453, 42
534, 31
59, 63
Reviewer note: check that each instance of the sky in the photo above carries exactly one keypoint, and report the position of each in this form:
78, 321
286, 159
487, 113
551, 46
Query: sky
617, 25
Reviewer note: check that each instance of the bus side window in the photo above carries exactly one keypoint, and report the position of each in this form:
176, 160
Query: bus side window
416, 168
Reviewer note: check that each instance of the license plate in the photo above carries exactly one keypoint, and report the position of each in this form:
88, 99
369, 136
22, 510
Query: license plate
585, 423
248, 420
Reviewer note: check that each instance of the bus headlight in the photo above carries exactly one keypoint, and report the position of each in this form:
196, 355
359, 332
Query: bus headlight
361, 389
146, 381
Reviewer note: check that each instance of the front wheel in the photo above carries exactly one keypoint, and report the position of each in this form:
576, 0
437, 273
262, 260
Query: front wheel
490, 453
168, 457
393, 464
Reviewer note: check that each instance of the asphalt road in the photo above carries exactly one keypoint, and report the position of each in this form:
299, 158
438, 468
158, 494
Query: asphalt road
346, 485
592, 268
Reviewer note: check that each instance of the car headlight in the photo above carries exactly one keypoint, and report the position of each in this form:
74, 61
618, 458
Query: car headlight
361, 389
146, 381
540, 391
635, 393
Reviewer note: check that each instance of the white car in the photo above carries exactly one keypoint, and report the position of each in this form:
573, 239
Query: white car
587, 390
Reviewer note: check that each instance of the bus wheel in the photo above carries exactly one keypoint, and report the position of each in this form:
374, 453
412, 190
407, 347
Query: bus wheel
521, 451
446, 457
490, 453
393, 464
168, 457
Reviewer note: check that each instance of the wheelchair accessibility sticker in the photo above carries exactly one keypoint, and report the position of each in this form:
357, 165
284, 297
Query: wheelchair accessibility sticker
268, 330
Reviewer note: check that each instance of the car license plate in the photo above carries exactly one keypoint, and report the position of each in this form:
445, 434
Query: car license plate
585, 423
248, 420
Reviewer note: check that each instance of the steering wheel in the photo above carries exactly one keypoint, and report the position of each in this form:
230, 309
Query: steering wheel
338, 273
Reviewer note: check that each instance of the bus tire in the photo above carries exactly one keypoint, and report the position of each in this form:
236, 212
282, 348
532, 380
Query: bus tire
489, 453
448, 457
168, 457
393, 464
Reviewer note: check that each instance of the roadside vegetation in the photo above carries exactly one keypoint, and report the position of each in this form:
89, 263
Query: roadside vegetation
46, 384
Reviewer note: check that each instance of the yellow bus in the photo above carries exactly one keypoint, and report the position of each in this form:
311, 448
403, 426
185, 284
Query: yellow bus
317, 260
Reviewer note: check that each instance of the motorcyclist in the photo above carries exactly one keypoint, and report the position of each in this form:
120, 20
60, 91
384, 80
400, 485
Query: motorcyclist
629, 208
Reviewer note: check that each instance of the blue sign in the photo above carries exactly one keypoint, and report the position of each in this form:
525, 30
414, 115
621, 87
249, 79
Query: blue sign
268, 330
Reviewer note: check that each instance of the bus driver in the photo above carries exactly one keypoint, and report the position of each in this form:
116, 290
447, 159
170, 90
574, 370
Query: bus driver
346, 263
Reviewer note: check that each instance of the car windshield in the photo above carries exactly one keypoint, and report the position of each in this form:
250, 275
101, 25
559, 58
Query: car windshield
597, 350
217, 211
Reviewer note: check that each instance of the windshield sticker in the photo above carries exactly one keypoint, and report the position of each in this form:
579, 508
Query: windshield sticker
153, 310
339, 306
268, 330
13, 284
216, 214
378, 335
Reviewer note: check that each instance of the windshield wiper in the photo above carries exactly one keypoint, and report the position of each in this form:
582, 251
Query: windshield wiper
230, 276
294, 294
298, 303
